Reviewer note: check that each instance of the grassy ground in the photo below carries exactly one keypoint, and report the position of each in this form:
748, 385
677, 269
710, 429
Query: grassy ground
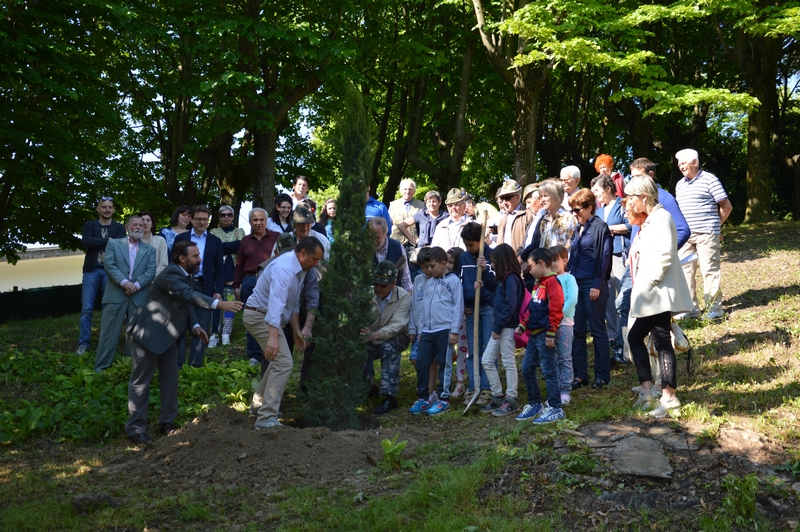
470, 473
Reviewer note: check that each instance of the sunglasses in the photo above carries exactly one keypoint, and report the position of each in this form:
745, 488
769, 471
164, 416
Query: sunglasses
226, 215
576, 211
507, 198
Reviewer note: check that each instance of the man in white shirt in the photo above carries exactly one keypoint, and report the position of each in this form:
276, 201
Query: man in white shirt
275, 301
706, 206
448, 232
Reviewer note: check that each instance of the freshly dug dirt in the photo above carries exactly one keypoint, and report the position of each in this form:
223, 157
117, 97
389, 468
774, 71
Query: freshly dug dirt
222, 448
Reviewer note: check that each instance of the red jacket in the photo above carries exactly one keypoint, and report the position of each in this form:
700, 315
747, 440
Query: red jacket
547, 306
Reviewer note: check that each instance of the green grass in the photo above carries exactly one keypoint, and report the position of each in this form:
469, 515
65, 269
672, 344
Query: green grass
62, 420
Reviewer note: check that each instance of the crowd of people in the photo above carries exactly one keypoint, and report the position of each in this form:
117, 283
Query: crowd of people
555, 260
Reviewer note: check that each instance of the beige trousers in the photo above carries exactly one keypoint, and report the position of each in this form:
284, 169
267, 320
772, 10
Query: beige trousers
707, 247
268, 394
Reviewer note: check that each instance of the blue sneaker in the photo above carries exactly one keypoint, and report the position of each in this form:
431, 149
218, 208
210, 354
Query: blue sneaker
438, 407
419, 407
530, 412
549, 415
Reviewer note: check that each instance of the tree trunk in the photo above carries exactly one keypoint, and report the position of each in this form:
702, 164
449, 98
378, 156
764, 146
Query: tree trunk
265, 146
759, 58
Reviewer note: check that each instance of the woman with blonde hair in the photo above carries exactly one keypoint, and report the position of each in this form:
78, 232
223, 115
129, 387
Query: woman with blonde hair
659, 290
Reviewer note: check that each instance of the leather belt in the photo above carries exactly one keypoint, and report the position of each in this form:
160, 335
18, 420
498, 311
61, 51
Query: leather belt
256, 309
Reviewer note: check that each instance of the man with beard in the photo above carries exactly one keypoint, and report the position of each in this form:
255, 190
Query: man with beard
155, 329
131, 266
94, 237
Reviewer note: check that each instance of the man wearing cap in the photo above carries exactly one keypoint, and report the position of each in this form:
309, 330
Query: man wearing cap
571, 180
302, 220
274, 303
448, 232
377, 208
95, 236
254, 249
513, 223
387, 337
530, 197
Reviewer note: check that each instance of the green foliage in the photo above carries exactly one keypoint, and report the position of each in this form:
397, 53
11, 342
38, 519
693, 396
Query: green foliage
76, 403
792, 467
739, 505
336, 385
392, 451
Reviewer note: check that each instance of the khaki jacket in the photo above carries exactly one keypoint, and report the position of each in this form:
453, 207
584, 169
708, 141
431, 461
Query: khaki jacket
398, 214
519, 229
394, 318
658, 281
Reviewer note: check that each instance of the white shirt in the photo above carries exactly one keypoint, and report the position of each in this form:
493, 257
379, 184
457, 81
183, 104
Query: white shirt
201, 246
277, 291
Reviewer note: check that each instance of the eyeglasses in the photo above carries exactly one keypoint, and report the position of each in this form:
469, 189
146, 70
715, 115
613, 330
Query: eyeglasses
226, 215
106, 198
203, 220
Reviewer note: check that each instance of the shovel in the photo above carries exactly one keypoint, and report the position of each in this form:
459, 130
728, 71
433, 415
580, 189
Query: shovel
476, 374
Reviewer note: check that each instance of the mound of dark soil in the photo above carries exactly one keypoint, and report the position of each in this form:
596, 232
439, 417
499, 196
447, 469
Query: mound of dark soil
221, 447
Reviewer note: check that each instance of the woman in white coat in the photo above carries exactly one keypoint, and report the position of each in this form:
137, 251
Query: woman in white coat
659, 290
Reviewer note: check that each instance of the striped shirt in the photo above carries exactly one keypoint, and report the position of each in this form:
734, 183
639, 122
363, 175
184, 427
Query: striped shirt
698, 199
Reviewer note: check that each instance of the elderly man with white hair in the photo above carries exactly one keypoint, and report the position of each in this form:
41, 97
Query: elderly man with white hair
571, 180
403, 210
706, 206
387, 248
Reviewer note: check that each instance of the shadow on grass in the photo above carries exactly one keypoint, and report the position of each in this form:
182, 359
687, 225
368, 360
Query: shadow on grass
761, 296
748, 402
746, 243
731, 343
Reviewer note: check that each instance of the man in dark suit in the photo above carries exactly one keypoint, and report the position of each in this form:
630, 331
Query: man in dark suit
155, 329
209, 280
131, 266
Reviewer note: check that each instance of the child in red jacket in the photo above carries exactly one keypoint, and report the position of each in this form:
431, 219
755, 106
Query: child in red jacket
546, 308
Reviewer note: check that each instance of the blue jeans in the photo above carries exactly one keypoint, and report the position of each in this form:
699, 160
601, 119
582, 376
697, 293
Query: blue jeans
248, 285
485, 323
92, 283
595, 313
623, 302
537, 351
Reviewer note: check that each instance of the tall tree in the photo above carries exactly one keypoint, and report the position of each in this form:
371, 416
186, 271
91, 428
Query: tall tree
760, 29
336, 385
59, 112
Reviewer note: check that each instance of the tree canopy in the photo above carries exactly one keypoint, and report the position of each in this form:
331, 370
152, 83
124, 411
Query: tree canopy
167, 103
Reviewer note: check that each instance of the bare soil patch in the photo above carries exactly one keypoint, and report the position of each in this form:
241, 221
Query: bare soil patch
221, 447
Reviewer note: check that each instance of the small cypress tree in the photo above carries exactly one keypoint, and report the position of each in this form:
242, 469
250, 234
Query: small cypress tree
336, 386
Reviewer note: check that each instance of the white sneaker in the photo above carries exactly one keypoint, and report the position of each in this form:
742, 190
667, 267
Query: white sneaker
268, 423
714, 315
213, 341
81, 350
226, 339
254, 362
667, 408
694, 313
565, 398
